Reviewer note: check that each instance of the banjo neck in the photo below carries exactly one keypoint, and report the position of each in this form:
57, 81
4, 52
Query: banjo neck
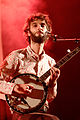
61, 62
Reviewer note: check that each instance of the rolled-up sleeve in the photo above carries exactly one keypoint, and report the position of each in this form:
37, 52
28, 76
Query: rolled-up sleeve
6, 87
7, 70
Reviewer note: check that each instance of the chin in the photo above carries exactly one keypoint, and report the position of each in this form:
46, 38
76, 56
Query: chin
38, 38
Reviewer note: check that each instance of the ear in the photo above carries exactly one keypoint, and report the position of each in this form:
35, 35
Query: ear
29, 33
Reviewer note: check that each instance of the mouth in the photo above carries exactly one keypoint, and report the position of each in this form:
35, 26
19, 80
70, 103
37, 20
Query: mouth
39, 33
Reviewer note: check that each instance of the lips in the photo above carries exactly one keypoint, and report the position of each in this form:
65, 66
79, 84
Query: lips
39, 32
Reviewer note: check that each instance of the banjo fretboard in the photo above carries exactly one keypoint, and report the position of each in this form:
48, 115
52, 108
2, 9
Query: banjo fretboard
61, 62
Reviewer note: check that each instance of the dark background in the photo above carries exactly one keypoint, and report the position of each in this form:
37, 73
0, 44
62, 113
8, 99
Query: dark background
65, 16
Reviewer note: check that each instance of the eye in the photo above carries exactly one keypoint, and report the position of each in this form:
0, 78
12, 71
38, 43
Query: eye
34, 25
42, 24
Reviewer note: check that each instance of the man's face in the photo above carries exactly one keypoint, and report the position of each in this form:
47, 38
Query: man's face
38, 31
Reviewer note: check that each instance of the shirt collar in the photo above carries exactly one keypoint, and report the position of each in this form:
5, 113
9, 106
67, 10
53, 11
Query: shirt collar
34, 55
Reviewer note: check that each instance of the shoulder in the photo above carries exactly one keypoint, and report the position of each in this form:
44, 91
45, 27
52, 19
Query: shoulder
19, 53
13, 58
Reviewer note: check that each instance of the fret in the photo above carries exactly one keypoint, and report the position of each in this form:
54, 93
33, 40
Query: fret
57, 66
63, 60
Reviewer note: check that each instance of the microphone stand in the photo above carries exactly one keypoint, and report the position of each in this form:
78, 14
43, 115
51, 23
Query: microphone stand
56, 38
67, 39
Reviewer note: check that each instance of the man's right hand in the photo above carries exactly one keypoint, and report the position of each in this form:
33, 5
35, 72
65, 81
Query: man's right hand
22, 89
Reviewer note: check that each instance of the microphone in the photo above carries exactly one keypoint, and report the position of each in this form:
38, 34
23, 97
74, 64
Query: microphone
55, 36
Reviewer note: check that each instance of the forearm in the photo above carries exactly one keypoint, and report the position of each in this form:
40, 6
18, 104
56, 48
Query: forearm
52, 92
52, 85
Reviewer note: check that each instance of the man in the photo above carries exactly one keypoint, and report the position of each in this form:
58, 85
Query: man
31, 60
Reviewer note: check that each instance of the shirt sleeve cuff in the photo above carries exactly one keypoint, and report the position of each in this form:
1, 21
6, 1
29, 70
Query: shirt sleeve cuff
6, 87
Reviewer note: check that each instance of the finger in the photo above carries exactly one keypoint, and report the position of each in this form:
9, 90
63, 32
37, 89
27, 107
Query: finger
29, 86
28, 91
56, 70
54, 75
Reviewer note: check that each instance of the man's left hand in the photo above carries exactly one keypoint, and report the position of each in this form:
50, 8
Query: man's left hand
55, 73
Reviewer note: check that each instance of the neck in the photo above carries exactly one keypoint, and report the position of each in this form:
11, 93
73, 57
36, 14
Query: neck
37, 48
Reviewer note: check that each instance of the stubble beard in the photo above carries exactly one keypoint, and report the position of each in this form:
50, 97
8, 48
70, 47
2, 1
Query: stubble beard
38, 39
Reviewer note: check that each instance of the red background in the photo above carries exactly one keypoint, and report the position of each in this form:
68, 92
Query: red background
65, 16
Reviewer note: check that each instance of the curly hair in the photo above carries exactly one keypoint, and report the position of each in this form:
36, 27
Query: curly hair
35, 17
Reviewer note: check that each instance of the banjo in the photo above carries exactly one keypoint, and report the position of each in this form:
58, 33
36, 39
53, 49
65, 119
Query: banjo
36, 99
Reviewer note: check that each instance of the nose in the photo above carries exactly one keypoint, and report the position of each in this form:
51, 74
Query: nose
39, 27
